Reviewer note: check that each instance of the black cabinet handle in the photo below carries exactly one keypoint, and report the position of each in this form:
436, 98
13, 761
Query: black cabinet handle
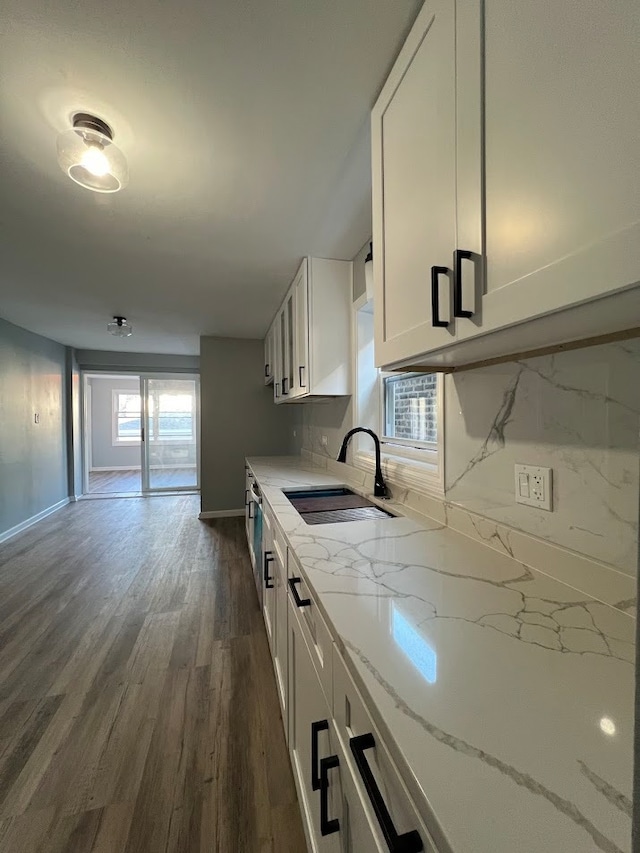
316, 728
436, 272
285, 386
327, 826
251, 513
459, 255
300, 602
268, 558
300, 369
277, 389
408, 842
246, 497
266, 371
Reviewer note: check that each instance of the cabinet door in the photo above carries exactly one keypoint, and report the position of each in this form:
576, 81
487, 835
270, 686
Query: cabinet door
562, 156
301, 367
288, 356
278, 356
269, 560
414, 191
281, 662
248, 510
268, 356
310, 740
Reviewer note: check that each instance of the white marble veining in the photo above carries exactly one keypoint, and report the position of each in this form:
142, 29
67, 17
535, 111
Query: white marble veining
577, 412
591, 577
506, 696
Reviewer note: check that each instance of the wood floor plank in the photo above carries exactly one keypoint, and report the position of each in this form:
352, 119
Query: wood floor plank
138, 707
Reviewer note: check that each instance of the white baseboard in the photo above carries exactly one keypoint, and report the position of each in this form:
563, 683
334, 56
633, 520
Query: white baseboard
221, 513
13, 531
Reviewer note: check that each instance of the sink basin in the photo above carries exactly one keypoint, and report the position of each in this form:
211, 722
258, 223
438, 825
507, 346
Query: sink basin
331, 505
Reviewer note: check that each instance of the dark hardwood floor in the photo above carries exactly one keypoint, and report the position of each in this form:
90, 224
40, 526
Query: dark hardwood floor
138, 708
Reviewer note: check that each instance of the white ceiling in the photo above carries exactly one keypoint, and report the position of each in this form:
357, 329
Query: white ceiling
245, 125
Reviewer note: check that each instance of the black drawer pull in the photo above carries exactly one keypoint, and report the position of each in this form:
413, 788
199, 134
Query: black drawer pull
251, 511
408, 842
277, 389
300, 602
268, 558
285, 387
316, 728
300, 369
327, 826
436, 272
459, 256
246, 497
266, 371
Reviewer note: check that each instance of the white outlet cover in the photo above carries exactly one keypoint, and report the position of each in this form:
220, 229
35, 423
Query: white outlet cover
534, 486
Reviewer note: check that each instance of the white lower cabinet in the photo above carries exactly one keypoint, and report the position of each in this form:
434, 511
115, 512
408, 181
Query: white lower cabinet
312, 742
269, 560
280, 620
351, 796
394, 818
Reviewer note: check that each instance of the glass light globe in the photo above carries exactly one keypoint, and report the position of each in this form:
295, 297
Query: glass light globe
90, 158
95, 161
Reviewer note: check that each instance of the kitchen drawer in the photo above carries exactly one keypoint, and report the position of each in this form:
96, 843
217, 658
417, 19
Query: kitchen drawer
279, 538
313, 626
372, 767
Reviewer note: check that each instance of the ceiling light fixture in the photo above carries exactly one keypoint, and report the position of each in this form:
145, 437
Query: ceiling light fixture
119, 327
86, 154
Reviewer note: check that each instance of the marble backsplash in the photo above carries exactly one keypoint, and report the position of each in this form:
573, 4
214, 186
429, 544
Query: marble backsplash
577, 412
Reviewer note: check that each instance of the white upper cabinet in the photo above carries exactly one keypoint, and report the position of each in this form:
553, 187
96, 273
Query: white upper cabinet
300, 288
269, 355
313, 333
505, 149
562, 156
414, 182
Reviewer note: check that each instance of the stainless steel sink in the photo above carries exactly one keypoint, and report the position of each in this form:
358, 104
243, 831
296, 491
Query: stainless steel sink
331, 505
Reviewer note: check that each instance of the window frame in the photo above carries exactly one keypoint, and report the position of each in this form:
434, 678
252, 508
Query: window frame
401, 443
116, 441
156, 438
407, 463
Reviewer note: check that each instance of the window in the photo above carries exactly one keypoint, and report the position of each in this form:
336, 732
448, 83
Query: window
170, 417
126, 417
405, 410
174, 418
411, 409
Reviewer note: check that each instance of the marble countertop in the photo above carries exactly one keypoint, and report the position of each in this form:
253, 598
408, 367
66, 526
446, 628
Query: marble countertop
506, 696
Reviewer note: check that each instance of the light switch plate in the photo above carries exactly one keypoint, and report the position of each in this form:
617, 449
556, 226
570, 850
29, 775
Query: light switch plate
533, 486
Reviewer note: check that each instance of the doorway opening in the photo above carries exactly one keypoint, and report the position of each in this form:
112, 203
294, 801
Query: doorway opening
141, 434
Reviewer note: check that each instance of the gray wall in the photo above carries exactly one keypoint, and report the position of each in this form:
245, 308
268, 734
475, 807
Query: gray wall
33, 457
136, 361
239, 418
103, 453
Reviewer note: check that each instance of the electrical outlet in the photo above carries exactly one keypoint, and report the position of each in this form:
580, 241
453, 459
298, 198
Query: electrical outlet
323, 440
534, 486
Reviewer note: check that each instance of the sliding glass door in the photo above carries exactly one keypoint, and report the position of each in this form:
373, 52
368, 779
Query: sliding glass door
170, 433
